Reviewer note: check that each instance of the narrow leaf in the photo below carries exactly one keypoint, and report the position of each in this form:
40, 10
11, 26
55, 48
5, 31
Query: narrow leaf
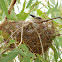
60, 60
55, 53
29, 3
56, 5
24, 48
48, 4
31, 60
4, 7
21, 52
34, 5
26, 59
53, 2
37, 60
11, 55
30, 54
41, 58
59, 40
23, 6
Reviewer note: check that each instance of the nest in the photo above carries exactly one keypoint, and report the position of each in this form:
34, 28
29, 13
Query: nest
33, 34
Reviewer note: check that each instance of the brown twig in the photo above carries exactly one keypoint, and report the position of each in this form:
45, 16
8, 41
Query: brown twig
40, 41
45, 20
10, 8
21, 34
41, 44
4, 51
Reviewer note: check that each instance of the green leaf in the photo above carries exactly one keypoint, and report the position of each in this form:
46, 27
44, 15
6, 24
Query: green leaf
31, 60
11, 42
19, 1
40, 13
0, 33
22, 16
13, 16
4, 55
44, 5
55, 53
59, 40
11, 55
56, 5
60, 60
21, 52
53, 2
24, 48
26, 56
48, 4
20, 58
11, 61
26, 59
1, 12
34, 6
23, 6
8, 1
4, 7
26, 53
29, 3
30, 54
1, 39
41, 58
37, 60
56, 43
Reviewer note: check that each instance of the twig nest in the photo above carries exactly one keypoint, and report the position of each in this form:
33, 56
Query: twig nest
32, 33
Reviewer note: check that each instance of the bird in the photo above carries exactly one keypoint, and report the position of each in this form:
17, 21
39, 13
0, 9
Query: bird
36, 18
39, 19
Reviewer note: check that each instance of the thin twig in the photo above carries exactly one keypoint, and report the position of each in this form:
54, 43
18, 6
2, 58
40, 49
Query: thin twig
4, 51
21, 34
12, 34
10, 8
46, 20
41, 43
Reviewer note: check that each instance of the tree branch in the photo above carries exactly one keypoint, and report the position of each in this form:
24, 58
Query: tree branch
10, 8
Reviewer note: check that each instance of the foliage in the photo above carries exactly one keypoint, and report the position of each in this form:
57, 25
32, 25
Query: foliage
32, 6
23, 51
